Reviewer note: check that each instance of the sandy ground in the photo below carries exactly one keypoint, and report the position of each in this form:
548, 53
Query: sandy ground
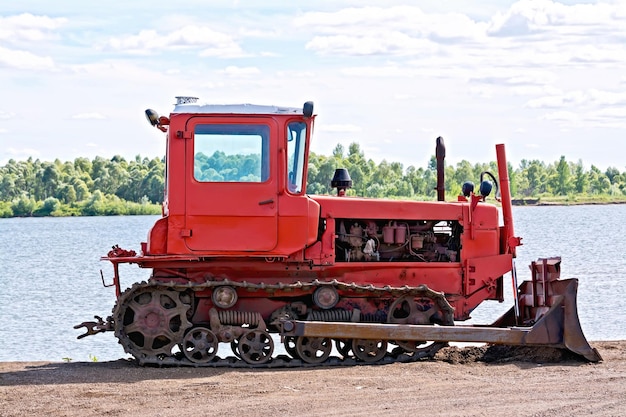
473, 381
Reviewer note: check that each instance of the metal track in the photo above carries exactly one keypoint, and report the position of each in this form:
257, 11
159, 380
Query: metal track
280, 361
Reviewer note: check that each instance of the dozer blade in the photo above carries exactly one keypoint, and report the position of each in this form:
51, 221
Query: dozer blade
557, 325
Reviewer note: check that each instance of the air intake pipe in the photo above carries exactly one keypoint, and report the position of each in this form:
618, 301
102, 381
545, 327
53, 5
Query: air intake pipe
511, 242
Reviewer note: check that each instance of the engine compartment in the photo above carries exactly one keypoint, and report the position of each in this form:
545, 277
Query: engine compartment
375, 240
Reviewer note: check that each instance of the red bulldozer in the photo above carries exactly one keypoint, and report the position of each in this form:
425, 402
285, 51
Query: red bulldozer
243, 256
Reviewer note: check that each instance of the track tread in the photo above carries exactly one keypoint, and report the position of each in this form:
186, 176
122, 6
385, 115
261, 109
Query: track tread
280, 361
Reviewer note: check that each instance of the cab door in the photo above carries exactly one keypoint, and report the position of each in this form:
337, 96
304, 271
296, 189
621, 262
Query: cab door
231, 191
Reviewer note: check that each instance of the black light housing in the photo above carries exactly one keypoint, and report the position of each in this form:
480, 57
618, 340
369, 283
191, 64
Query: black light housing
341, 179
153, 117
467, 188
307, 109
485, 188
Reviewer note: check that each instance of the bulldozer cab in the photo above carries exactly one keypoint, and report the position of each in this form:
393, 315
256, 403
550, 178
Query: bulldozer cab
244, 169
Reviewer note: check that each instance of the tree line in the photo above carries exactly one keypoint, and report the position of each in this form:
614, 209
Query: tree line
81, 187
116, 186
561, 180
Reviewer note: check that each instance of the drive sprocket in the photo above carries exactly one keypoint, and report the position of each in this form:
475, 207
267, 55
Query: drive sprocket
150, 321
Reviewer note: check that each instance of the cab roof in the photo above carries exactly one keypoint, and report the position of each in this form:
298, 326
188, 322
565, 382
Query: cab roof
233, 109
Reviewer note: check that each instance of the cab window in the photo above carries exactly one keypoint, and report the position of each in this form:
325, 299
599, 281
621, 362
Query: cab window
231, 153
296, 144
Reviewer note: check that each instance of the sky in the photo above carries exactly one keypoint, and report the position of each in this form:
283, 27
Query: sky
546, 78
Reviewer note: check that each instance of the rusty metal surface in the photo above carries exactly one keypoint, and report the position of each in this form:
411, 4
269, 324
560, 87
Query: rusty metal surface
407, 332
95, 327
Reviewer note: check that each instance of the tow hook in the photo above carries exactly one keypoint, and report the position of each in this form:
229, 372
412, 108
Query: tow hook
95, 327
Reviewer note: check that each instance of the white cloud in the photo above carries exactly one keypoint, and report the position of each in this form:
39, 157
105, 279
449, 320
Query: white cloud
21, 153
407, 19
404, 96
482, 91
24, 36
527, 17
120, 71
587, 98
6, 115
88, 116
516, 77
24, 60
384, 71
561, 116
233, 71
607, 117
269, 54
598, 118
338, 128
534, 90
399, 30
29, 27
259, 33
295, 74
531, 34
209, 42
223, 51
387, 43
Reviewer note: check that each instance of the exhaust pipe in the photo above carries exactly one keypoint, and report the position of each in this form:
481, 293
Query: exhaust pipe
440, 154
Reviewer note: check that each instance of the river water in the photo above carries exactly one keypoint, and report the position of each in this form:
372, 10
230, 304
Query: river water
50, 275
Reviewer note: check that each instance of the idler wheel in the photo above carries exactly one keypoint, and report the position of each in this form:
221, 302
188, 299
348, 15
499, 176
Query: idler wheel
200, 345
369, 350
313, 349
256, 346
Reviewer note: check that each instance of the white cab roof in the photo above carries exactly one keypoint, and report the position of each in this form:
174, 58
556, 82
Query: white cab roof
233, 109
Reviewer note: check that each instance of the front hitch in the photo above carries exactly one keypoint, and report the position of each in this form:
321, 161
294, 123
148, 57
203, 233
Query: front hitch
95, 327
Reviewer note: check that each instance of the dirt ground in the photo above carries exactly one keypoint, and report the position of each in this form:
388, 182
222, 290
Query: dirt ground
471, 381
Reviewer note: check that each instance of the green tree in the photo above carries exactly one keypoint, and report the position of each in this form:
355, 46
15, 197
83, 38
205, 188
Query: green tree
67, 194
563, 177
96, 206
23, 206
613, 175
49, 206
581, 179
5, 209
598, 182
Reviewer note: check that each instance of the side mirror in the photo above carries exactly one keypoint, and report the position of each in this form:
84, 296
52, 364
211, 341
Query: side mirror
153, 117
307, 109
